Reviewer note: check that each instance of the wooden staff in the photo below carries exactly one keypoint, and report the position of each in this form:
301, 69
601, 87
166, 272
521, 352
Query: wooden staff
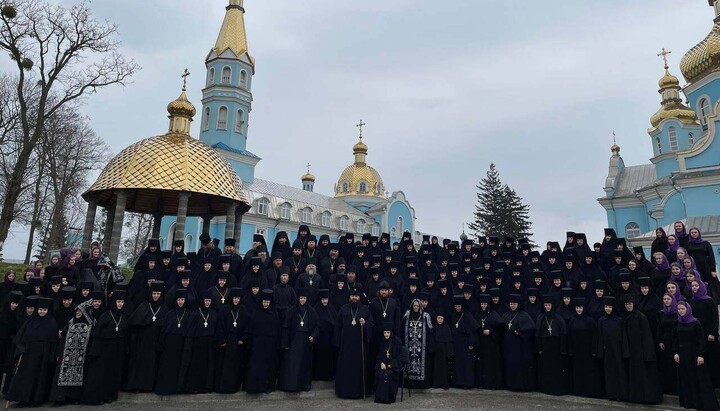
7, 403
362, 355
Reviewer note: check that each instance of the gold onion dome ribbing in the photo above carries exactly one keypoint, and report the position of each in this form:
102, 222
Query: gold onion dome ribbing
672, 105
308, 177
181, 107
360, 172
704, 58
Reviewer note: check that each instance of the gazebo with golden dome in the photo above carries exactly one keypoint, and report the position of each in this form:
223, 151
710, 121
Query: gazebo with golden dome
171, 174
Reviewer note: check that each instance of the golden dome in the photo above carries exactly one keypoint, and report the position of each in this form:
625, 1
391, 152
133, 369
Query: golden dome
704, 58
615, 149
360, 147
668, 80
308, 177
181, 107
352, 177
672, 105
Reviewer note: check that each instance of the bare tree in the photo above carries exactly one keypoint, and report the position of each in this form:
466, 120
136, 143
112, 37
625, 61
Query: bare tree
139, 228
65, 54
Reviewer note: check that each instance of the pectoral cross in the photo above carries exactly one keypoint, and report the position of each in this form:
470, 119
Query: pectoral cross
549, 329
384, 314
302, 323
117, 328
360, 126
205, 324
222, 300
664, 53
184, 76
234, 324
153, 318
510, 325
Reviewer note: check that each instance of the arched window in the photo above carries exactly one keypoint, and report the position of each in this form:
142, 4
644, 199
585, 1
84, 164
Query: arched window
375, 230
672, 136
325, 221
362, 187
262, 206
704, 109
345, 187
285, 211
222, 118
691, 139
400, 225
243, 78
632, 230
226, 75
188, 242
211, 77
361, 227
659, 145
344, 220
307, 215
239, 121
206, 119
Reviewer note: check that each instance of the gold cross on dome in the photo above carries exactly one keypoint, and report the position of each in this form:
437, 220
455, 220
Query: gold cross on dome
184, 76
308, 168
360, 126
664, 53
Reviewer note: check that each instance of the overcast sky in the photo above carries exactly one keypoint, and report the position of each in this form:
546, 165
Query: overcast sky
445, 87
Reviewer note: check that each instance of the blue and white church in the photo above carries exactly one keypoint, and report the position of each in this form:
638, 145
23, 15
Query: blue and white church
360, 205
682, 181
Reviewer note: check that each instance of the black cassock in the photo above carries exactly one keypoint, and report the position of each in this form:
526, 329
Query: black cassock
696, 388
667, 367
352, 348
489, 365
206, 342
145, 333
325, 352
518, 351
301, 323
550, 333
645, 385
464, 330
443, 346
392, 354
613, 350
264, 333
106, 358
34, 359
234, 364
582, 348
176, 343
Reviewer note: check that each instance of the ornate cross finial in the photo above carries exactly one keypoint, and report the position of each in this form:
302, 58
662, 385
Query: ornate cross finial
614, 142
664, 53
184, 76
308, 167
360, 126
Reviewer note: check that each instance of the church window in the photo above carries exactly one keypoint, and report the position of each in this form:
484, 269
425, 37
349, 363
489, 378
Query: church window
345, 187
400, 225
262, 206
375, 230
239, 121
362, 187
243, 77
307, 215
206, 119
344, 220
361, 227
285, 211
222, 118
632, 230
704, 109
691, 139
672, 136
226, 75
659, 145
325, 219
211, 76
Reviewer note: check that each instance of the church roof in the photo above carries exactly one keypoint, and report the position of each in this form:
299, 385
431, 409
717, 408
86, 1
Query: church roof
223, 146
232, 33
634, 178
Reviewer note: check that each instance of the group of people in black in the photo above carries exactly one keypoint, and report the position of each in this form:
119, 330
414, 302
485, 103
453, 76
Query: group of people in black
602, 321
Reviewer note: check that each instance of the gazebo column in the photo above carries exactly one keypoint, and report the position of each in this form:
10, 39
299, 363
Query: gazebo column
206, 224
117, 224
157, 222
108, 230
183, 199
89, 224
230, 221
237, 228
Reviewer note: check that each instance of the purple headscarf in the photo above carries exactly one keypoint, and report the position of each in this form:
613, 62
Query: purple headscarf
672, 248
664, 265
688, 317
699, 239
673, 306
681, 235
680, 277
702, 293
678, 297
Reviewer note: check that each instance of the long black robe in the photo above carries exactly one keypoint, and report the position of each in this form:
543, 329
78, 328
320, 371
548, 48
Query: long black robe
106, 358
234, 364
264, 332
395, 357
443, 345
145, 336
301, 323
645, 386
489, 362
352, 348
706, 312
464, 330
696, 389
8, 328
175, 347
582, 348
205, 344
667, 367
325, 354
34, 360
418, 339
70, 370
613, 350
518, 351
550, 334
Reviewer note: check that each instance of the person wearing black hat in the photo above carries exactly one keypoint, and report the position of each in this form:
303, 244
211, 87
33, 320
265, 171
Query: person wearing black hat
412, 293
230, 370
296, 262
518, 347
264, 335
184, 284
107, 351
550, 334
488, 363
353, 330
329, 263
254, 272
272, 274
582, 342
9, 315
324, 351
70, 369
340, 293
417, 333
281, 244
613, 351
465, 339
150, 253
311, 250
310, 279
303, 234
300, 330
390, 362
384, 309
178, 327
64, 307
221, 290
178, 251
284, 295
145, 331
208, 252
205, 341
533, 304
644, 382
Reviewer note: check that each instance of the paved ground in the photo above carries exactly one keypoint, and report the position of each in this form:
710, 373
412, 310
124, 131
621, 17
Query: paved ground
324, 399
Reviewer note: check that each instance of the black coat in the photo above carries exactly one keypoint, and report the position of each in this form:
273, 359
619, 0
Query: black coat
264, 334
352, 345
613, 350
300, 324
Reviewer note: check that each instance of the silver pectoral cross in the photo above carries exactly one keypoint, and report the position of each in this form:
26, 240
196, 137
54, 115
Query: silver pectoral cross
302, 323
384, 315
205, 324
153, 318
550, 329
234, 323
510, 325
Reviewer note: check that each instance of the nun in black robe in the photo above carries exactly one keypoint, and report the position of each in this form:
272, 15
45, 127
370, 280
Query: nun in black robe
107, 354
667, 366
175, 346
230, 372
645, 385
70, 370
146, 323
300, 331
518, 347
613, 351
325, 354
488, 363
550, 334
582, 341
264, 333
353, 330
11, 304
34, 356
705, 309
206, 340
389, 365
418, 339
464, 330
443, 345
